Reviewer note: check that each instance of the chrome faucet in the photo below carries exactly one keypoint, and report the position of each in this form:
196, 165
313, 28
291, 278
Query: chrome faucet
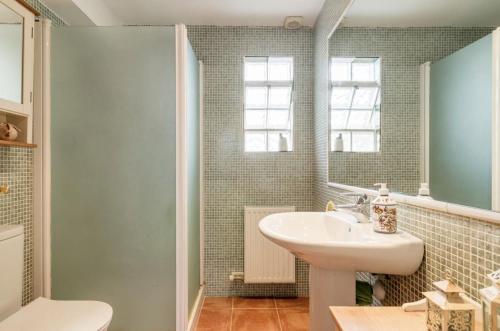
358, 208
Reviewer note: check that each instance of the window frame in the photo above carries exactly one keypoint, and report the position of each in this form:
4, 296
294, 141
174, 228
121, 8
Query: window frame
269, 84
355, 85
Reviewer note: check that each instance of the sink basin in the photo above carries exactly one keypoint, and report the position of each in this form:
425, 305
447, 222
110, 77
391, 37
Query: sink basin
335, 240
336, 246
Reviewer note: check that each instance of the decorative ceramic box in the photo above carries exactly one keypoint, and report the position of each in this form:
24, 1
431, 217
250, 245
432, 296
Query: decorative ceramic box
490, 302
448, 309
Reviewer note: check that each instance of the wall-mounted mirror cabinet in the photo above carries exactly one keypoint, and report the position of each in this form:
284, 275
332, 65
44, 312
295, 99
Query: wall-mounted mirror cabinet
16, 66
414, 97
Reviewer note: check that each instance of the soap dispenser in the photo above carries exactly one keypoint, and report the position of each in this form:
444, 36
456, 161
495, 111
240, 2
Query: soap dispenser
383, 211
424, 192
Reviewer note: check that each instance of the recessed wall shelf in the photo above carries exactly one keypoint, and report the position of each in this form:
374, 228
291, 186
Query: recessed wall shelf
6, 143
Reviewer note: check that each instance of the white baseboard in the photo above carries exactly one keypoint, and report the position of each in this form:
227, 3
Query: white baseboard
195, 315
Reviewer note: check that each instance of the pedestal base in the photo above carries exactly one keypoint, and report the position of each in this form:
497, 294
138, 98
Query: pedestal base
329, 288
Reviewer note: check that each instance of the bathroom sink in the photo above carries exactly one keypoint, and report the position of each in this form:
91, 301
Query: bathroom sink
336, 246
335, 240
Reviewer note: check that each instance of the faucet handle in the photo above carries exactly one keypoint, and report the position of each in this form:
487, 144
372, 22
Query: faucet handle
362, 197
355, 194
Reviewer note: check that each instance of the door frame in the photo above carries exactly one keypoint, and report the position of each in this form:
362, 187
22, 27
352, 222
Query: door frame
42, 160
181, 254
202, 171
495, 120
183, 320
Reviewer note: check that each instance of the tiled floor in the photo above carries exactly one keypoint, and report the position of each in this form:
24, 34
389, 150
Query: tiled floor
254, 314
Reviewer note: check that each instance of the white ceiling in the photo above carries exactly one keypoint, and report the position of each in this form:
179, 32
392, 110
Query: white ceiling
398, 13
405, 13
196, 12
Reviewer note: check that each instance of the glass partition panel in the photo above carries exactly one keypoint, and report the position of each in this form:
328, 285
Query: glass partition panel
113, 174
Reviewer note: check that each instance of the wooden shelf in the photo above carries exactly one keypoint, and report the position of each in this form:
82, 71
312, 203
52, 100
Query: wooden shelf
16, 144
377, 319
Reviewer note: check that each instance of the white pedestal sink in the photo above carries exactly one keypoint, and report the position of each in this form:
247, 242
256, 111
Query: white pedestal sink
336, 246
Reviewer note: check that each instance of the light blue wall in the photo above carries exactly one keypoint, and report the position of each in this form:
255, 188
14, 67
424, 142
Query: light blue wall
193, 155
11, 61
113, 171
460, 126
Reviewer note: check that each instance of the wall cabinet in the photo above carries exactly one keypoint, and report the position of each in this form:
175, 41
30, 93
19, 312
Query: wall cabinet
17, 21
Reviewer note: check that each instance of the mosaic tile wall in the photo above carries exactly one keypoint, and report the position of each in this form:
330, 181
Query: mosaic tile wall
16, 170
402, 51
46, 12
16, 207
234, 178
468, 247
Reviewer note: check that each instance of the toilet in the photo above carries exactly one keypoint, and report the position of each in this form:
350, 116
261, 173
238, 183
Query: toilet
42, 314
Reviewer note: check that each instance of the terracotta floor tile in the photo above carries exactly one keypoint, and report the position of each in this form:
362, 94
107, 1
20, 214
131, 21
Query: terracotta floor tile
255, 320
218, 303
300, 303
214, 320
294, 319
253, 303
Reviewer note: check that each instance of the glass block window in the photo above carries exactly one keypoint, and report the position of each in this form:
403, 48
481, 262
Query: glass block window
355, 103
268, 109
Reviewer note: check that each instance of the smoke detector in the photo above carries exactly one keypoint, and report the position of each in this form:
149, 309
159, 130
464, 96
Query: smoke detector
294, 22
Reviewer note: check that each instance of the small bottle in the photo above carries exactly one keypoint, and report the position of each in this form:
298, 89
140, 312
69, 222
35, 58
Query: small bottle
424, 192
338, 145
283, 144
383, 211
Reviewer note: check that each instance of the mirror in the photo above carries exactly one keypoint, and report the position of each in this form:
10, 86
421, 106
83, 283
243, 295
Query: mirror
11, 54
412, 93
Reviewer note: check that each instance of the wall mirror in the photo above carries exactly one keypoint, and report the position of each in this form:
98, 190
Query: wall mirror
11, 54
414, 97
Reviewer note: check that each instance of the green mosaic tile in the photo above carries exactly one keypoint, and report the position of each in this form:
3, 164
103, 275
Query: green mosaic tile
16, 207
234, 178
16, 170
402, 51
46, 12
468, 247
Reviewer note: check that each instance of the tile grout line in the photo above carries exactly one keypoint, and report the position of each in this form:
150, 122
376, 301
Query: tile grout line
276, 308
232, 313
257, 308
201, 311
278, 313
279, 320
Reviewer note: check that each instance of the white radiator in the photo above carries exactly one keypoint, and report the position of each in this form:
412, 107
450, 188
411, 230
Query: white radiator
265, 262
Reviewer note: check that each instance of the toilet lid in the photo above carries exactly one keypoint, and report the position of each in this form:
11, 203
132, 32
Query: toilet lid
50, 315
